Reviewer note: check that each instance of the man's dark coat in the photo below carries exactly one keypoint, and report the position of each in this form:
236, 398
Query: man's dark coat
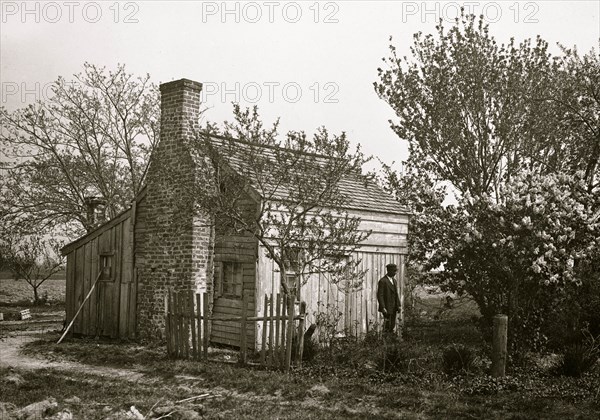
387, 296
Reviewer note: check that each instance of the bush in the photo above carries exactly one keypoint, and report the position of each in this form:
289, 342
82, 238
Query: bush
457, 359
579, 358
576, 360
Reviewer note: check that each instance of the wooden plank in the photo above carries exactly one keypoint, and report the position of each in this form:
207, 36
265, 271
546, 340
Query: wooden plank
116, 285
401, 276
167, 325
192, 321
79, 284
123, 310
87, 284
70, 287
186, 323
271, 330
277, 325
228, 303
243, 330
290, 325
132, 316
225, 311
263, 350
93, 317
205, 314
301, 332
199, 325
173, 315
282, 341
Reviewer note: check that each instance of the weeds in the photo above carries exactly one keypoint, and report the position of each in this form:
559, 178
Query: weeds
457, 359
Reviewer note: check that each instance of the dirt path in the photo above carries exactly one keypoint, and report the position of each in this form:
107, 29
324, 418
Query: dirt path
11, 356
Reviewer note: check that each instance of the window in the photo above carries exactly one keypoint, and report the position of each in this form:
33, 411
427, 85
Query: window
106, 266
231, 279
293, 284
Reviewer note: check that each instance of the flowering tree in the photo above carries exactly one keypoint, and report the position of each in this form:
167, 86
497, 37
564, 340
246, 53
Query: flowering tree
515, 131
525, 255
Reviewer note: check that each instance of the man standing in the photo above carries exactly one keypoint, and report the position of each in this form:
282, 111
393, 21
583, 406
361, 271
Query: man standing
388, 299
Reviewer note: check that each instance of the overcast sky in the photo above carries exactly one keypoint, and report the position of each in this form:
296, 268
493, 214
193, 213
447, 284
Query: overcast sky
309, 63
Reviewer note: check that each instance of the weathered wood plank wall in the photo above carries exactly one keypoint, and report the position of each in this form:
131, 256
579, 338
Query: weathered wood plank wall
110, 311
386, 244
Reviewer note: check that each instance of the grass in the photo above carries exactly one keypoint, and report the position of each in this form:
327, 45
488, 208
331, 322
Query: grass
341, 384
19, 293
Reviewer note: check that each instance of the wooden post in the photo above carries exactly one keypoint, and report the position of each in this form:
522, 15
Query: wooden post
499, 345
301, 332
402, 281
193, 325
263, 350
243, 346
172, 326
177, 296
271, 330
167, 324
366, 316
185, 319
290, 331
282, 340
176, 324
205, 323
277, 322
199, 324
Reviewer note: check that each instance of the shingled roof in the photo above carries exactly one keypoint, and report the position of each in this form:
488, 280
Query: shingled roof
361, 193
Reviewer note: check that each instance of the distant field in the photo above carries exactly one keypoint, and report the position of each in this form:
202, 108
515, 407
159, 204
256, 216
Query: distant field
7, 275
13, 291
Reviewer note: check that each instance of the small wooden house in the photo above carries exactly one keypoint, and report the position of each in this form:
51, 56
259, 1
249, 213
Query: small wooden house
141, 254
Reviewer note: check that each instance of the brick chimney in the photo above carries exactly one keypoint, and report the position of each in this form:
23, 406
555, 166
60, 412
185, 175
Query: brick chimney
178, 245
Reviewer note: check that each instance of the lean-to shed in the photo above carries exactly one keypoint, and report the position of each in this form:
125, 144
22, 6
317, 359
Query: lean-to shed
142, 253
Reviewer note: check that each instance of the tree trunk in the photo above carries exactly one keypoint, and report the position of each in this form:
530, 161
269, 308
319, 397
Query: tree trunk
36, 298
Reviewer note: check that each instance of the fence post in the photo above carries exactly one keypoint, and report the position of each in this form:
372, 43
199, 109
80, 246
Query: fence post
243, 322
177, 324
290, 331
199, 325
167, 326
271, 331
277, 323
193, 324
263, 351
301, 332
172, 309
186, 324
499, 345
205, 321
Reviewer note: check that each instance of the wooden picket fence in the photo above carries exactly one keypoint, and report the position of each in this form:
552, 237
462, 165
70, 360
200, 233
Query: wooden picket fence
188, 324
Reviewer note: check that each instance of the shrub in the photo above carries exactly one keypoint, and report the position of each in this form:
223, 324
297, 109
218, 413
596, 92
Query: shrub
457, 359
579, 358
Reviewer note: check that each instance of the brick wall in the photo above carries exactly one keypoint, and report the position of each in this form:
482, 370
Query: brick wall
178, 248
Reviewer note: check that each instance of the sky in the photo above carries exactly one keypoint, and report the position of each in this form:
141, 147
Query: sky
310, 63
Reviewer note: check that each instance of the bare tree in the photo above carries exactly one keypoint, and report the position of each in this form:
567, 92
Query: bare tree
91, 138
32, 259
287, 193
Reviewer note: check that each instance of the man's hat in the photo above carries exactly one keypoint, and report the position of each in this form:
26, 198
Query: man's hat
391, 267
